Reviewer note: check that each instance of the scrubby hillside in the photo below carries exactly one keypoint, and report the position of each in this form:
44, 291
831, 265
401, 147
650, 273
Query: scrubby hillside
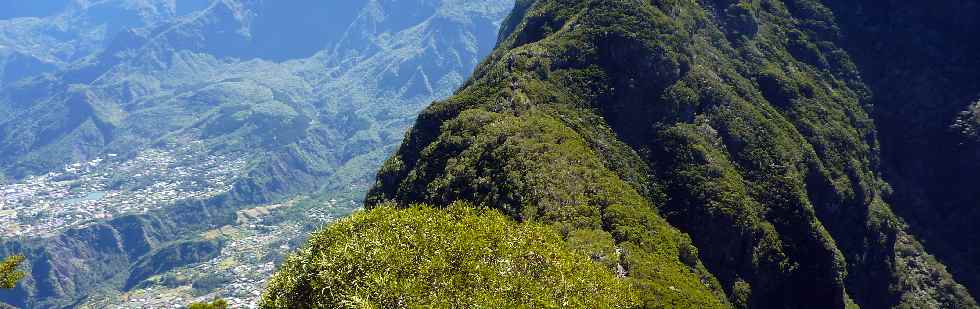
726, 148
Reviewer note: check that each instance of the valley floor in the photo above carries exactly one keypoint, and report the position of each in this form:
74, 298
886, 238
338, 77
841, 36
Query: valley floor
253, 249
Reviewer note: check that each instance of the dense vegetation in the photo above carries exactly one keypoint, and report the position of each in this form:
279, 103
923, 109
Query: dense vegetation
460, 257
171, 256
919, 60
215, 304
744, 124
9, 275
634, 153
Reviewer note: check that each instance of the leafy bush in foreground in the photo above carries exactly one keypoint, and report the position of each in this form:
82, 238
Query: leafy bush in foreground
444, 258
216, 304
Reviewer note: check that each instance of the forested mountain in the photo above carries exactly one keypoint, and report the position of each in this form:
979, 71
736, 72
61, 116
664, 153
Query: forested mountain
604, 153
130, 127
713, 153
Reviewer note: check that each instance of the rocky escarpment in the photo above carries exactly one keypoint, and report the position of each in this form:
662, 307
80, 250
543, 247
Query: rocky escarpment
729, 148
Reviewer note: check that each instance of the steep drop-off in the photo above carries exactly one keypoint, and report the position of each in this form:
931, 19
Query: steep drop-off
729, 143
920, 60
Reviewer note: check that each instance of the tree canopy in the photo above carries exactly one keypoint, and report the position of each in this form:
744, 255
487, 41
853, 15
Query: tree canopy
9, 275
456, 257
216, 304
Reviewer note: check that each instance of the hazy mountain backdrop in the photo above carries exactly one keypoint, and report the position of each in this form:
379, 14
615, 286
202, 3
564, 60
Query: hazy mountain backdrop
285, 99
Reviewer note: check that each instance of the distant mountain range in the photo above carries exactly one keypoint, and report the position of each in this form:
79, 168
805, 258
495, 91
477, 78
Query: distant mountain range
313, 94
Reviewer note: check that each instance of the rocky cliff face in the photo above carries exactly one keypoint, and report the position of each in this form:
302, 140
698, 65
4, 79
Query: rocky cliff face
790, 147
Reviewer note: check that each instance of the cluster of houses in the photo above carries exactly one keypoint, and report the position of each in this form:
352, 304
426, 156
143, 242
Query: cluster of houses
102, 188
244, 262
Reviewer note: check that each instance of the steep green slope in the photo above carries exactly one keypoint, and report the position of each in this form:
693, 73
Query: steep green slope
733, 120
536, 169
920, 61
172, 256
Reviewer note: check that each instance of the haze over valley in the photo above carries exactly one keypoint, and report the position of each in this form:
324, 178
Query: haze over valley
133, 132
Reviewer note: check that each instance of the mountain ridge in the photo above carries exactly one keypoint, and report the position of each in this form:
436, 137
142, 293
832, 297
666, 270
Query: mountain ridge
744, 122
710, 154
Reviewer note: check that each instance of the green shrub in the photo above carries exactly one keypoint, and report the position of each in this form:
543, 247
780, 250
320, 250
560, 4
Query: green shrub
216, 304
9, 275
458, 257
